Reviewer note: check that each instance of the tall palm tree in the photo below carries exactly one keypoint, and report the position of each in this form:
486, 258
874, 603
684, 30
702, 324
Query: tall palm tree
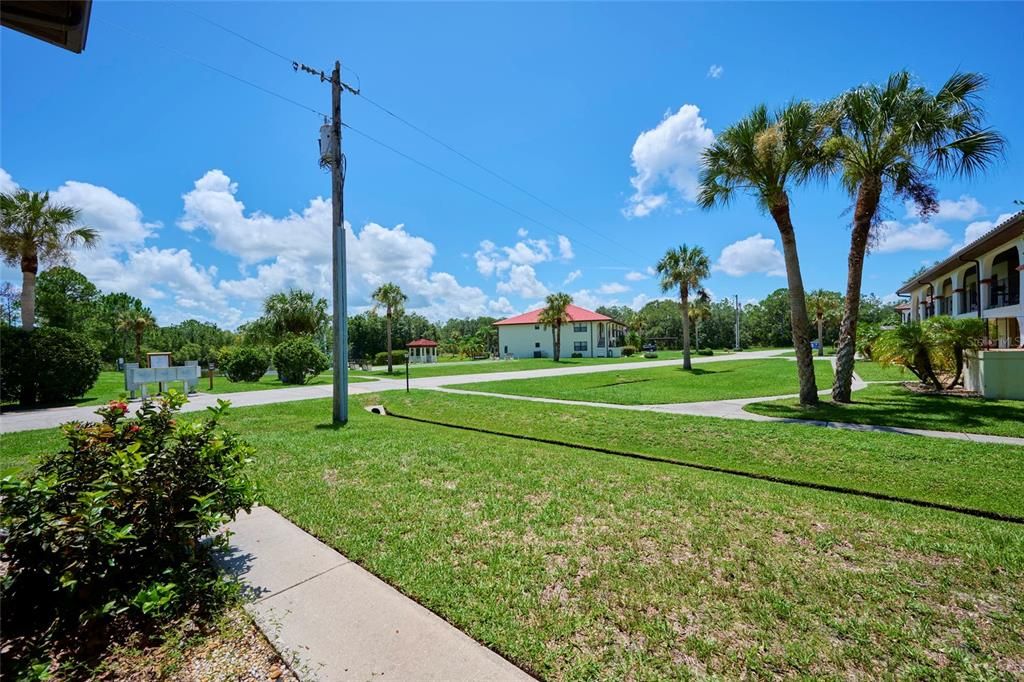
34, 231
700, 310
136, 322
765, 154
293, 313
953, 337
390, 297
554, 315
824, 305
894, 140
684, 267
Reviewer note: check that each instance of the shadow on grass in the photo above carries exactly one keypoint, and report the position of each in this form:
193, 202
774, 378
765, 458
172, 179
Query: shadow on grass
698, 371
74, 402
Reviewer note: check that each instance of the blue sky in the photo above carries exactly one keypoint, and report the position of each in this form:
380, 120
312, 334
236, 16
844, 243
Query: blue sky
208, 196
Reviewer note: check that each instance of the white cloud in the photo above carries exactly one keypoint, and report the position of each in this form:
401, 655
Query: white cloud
635, 276
118, 221
964, 208
894, 236
565, 248
975, 230
715, 71
572, 276
612, 288
755, 254
522, 281
7, 183
522, 232
667, 157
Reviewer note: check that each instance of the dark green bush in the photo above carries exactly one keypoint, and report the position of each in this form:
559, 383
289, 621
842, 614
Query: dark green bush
119, 524
627, 351
577, 354
298, 359
245, 363
705, 351
189, 351
47, 365
397, 358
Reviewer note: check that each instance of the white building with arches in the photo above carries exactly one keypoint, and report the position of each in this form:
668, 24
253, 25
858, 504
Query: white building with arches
981, 279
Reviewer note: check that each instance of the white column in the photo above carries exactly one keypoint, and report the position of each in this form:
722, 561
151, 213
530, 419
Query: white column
957, 293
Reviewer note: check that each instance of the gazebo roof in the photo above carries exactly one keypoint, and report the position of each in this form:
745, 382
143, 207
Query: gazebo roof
421, 343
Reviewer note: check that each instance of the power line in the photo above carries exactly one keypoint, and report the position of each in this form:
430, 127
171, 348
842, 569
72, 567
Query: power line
428, 135
451, 179
217, 69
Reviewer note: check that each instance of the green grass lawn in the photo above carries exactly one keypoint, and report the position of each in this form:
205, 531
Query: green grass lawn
873, 371
894, 405
492, 366
580, 566
710, 381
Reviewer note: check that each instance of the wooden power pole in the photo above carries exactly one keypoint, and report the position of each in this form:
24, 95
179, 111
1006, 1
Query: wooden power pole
338, 271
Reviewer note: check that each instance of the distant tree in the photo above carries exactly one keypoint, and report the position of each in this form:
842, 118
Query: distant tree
700, 310
66, 299
289, 314
32, 232
10, 304
112, 308
136, 323
390, 297
684, 268
554, 314
895, 139
823, 305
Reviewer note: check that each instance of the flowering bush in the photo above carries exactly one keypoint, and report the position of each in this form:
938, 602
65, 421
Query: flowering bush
114, 525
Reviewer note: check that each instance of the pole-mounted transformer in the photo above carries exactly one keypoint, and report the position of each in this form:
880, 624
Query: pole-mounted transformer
328, 145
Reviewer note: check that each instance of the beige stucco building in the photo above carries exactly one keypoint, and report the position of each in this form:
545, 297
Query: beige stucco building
981, 279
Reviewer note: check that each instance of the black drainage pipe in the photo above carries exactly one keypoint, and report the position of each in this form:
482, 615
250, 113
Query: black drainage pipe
968, 511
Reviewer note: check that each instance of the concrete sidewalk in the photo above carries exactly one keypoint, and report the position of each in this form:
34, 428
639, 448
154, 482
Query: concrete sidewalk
332, 620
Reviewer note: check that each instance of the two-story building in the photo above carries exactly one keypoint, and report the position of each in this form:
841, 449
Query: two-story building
590, 334
981, 279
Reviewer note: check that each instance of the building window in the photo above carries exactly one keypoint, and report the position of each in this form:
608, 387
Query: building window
536, 344
579, 346
579, 327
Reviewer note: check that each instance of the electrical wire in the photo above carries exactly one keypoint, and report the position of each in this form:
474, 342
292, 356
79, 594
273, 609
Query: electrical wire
211, 67
470, 188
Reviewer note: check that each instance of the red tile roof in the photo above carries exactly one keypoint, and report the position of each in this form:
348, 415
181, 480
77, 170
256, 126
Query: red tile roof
574, 313
421, 343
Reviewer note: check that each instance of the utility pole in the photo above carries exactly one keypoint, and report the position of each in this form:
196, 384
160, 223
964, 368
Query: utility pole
737, 321
330, 155
338, 272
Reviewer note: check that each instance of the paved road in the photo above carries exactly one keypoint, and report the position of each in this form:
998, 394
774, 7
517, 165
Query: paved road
41, 419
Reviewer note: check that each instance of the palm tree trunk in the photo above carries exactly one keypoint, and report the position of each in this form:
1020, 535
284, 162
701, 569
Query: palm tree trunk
958, 358
389, 342
558, 342
868, 196
797, 305
29, 268
554, 342
138, 348
685, 305
821, 342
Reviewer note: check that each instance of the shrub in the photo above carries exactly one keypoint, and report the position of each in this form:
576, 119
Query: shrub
299, 359
190, 351
705, 351
46, 365
650, 355
397, 358
577, 354
627, 351
245, 363
119, 524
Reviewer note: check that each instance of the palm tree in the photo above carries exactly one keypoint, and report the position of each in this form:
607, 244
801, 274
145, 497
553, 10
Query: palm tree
894, 140
684, 267
907, 345
391, 298
825, 305
295, 313
700, 309
136, 322
952, 337
34, 231
554, 315
765, 154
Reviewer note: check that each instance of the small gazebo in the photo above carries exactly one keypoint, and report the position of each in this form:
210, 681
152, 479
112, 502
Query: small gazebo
422, 351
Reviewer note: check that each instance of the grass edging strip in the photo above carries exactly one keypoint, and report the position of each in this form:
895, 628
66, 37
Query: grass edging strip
968, 511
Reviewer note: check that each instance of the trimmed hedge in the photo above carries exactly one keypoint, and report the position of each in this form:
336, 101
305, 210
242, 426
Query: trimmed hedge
245, 363
47, 365
397, 358
627, 351
298, 359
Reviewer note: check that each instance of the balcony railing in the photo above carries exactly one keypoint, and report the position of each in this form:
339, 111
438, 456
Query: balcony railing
1000, 294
